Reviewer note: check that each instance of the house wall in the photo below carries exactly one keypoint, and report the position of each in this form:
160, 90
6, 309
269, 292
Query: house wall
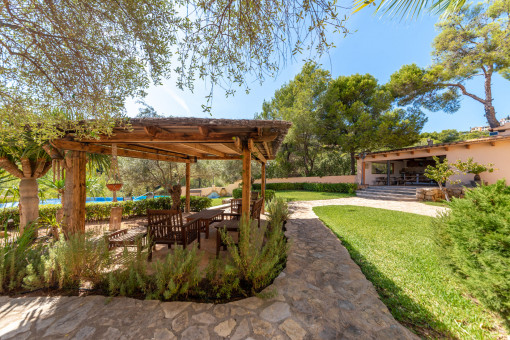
483, 153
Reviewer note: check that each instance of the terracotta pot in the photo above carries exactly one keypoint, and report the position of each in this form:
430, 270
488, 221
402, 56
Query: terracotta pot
114, 186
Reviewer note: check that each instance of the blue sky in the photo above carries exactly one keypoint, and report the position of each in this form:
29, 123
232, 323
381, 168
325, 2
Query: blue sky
378, 46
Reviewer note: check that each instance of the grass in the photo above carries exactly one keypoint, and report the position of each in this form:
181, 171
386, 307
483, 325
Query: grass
396, 251
217, 201
301, 195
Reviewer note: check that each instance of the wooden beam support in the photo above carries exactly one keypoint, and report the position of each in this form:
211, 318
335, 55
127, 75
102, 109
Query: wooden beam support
268, 149
398, 153
166, 137
428, 150
75, 193
173, 147
187, 208
156, 151
263, 184
204, 131
255, 150
492, 143
467, 146
246, 191
446, 148
234, 157
412, 152
77, 146
205, 148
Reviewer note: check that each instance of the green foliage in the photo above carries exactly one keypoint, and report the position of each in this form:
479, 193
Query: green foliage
130, 279
450, 136
15, 255
223, 279
471, 42
322, 187
69, 263
101, 211
357, 116
177, 276
257, 263
270, 194
473, 167
277, 212
475, 240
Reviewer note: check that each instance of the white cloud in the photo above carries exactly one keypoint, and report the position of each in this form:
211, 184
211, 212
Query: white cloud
177, 98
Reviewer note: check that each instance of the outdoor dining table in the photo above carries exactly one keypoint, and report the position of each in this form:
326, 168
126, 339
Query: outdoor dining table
206, 216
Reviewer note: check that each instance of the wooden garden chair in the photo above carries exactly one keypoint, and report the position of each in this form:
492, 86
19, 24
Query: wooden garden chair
167, 227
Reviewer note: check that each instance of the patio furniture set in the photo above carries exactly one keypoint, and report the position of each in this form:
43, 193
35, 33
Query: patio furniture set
168, 227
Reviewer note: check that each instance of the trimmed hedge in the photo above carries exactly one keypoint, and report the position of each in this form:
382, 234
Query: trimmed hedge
270, 194
348, 188
101, 211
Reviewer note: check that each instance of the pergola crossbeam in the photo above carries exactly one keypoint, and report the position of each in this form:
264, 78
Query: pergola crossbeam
205, 148
101, 149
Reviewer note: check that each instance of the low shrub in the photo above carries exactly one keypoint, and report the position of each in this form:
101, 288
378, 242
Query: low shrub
277, 211
101, 211
348, 188
257, 260
475, 239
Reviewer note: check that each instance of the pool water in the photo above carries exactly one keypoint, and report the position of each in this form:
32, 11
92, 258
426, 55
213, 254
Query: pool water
88, 200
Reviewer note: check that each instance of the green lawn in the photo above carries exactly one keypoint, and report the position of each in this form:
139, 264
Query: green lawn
395, 251
217, 201
300, 195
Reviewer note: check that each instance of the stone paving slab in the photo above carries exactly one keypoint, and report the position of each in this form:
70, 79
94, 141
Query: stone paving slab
322, 294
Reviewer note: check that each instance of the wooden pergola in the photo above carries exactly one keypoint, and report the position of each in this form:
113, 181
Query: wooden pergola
184, 140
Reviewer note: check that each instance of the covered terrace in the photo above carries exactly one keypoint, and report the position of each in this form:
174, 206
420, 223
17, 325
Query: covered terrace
184, 140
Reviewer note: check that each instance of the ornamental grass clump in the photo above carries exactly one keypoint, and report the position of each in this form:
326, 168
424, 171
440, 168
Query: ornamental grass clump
15, 255
178, 275
277, 211
257, 259
475, 239
131, 279
69, 263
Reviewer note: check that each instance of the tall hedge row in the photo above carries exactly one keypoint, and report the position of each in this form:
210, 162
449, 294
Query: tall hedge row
349, 188
101, 211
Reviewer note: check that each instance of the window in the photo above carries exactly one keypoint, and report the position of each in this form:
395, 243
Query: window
381, 168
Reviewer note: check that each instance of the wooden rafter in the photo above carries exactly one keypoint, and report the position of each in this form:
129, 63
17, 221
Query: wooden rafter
255, 150
91, 148
204, 148
172, 147
156, 151
267, 148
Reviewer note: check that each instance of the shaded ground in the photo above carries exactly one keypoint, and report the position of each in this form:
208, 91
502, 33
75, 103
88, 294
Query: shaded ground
322, 294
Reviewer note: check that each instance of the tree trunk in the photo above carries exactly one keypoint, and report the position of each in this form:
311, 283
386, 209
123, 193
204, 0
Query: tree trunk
353, 164
490, 112
28, 202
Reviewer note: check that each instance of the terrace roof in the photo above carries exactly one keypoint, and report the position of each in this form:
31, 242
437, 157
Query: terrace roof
186, 139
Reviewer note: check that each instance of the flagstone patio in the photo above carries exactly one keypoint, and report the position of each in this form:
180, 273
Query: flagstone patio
321, 293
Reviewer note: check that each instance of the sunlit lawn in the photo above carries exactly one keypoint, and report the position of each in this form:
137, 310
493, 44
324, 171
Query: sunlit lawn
396, 251
300, 195
217, 201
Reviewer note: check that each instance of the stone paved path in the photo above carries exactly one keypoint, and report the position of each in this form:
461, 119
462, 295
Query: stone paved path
322, 294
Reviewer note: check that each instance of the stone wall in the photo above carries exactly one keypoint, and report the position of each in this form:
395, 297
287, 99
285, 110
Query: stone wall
435, 194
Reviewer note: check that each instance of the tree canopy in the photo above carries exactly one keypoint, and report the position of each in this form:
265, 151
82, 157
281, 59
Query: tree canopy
77, 61
472, 43
357, 116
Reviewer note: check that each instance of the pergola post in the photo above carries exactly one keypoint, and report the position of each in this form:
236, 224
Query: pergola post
263, 185
245, 207
188, 189
75, 192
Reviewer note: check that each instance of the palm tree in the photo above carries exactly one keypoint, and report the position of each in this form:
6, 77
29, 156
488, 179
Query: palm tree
31, 162
412, 8
28, 163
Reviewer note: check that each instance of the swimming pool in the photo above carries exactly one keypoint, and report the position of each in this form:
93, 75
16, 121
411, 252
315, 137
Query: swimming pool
88, 200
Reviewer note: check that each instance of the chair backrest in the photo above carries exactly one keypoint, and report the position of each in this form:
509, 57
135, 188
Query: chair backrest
235, 205
256, 208
164, 217
254, 195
